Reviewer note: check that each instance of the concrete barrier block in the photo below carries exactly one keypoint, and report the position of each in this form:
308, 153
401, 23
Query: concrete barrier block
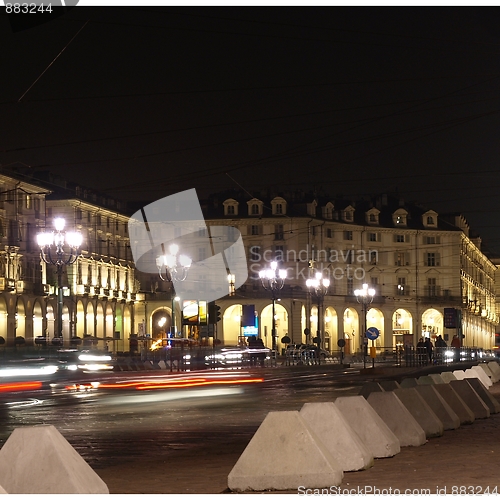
459, 374
436, 378
148, 365
495, 368
421, 411
370, 387
481, 375
490, 401
367, 424
162, 365
439, 406
284, 454
448, 376
489, 373
425, 380
2, 490
38, 459
389, 385
470, 373
464, 413
327, 421
471, 398
397, 417
409, 382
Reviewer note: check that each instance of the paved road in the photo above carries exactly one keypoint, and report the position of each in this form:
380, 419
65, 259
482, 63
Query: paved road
113, 427
190, 445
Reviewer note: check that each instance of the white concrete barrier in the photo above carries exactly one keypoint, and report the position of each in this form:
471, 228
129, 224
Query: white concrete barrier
495, 368
471, 398
436, 378
459, 374
396, 416
38, 459
409, 382
439, 406
339, 438
481, 375
2, 491
425, 380
366, 422
421, 411
470, 373
489, 373
490, 401
284, 454
448, 376
465, 414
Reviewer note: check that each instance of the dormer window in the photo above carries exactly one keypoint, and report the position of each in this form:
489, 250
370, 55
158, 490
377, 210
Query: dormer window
429, 219
372, 216
254, 207
328, 211
399, 217
230, 207
278, 206
348, 214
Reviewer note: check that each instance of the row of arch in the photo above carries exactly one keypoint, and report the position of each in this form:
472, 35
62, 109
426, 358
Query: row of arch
396, 329
32, 318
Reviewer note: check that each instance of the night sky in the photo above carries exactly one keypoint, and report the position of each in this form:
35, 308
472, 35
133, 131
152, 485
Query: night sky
144, 102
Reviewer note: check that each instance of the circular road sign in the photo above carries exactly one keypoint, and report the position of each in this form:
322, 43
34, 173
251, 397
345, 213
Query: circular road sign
372, 333
341, 342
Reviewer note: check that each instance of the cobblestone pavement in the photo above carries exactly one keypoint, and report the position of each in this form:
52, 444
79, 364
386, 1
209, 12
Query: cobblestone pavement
465, 460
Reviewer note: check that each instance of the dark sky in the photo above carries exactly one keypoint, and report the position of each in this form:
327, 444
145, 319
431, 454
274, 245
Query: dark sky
145, 102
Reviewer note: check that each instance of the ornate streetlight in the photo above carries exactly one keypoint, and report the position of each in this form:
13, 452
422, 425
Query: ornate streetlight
230, 280
318, 287
273, 279
173, 267
52, 251
364, 296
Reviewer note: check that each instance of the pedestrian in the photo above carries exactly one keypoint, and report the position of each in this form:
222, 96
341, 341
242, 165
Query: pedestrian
421, 351
441, 346
429, 348
456, 345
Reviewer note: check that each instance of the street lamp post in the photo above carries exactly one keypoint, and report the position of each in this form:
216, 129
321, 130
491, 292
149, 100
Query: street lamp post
364, 296
173, 267
52, 251
318, 287
273, 279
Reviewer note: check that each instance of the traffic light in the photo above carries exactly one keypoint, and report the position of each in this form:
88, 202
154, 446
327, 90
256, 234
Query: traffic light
213, 313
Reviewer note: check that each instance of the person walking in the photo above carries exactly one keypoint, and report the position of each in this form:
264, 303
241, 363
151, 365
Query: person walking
456, 345
441, 346
421, 352
429, 348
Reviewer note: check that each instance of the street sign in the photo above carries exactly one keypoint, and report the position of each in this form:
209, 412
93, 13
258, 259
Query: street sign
341, 342
372, 333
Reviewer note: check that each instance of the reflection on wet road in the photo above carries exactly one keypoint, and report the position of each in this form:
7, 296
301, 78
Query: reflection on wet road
108, 427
